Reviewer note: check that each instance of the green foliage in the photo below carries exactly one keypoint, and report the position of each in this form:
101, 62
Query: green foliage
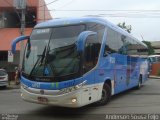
127, 28
150, 48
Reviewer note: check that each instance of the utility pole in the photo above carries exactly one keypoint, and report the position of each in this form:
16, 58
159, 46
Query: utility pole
44, 11
20, 5
22, 33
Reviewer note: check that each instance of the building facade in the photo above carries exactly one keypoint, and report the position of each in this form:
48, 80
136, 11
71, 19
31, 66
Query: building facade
156, 46
10, 23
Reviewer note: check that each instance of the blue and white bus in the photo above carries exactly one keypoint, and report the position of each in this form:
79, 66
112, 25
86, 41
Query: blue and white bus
73, 62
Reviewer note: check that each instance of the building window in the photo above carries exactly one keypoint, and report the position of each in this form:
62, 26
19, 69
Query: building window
3, 55
12, 19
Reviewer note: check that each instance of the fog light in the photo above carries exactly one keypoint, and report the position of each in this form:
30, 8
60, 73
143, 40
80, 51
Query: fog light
74, 100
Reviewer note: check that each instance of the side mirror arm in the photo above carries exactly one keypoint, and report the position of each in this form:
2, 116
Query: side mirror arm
15, 41
82, 39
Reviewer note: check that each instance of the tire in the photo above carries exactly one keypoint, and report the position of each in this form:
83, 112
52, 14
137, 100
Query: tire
139, 82
3, 87
106, 95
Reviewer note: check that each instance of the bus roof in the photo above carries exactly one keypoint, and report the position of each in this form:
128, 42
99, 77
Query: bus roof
71, 21
154, 56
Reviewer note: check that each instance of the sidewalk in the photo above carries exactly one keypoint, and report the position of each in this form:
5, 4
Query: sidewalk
12, 85
155, 77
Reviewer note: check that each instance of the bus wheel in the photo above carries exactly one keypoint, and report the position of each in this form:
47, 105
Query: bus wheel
139, 82
106, 95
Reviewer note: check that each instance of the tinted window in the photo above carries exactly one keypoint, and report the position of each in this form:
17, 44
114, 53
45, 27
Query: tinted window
158, 59
91, 53
132, 47
114, 42
93, 45
122, 44
98, 28
41, 34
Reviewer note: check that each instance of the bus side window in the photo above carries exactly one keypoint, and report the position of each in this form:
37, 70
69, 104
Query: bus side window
112, 42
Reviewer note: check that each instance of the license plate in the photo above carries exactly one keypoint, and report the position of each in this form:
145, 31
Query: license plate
42, 99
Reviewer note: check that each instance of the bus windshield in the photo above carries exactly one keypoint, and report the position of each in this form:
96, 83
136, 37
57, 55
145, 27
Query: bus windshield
53, 52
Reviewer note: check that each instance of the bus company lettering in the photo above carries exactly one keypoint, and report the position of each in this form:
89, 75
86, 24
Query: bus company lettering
36, 85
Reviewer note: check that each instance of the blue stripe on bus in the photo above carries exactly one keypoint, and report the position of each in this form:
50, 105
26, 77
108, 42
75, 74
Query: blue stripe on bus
50, 85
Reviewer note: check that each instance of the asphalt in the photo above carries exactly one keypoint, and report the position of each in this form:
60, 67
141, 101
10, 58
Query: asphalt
144, 101
154, 77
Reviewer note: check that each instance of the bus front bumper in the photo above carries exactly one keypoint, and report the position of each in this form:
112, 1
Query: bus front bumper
72, 99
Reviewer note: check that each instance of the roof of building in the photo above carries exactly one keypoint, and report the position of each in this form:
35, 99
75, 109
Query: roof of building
8, 34
155, 44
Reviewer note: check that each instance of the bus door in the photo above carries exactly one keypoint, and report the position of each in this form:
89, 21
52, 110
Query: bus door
90, 59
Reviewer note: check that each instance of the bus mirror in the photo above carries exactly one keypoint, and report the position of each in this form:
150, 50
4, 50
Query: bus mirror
15, 41
82, 39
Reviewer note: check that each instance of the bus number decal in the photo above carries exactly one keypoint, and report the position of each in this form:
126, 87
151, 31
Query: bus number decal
36, 85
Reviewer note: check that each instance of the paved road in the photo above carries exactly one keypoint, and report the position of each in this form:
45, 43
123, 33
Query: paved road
145, 100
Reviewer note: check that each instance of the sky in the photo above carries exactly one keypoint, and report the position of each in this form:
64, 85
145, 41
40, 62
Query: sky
142, 15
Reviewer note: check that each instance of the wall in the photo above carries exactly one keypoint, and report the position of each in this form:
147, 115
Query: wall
11, 30
155, 69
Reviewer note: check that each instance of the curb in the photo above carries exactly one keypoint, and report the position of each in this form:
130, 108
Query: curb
155, 77
12, 85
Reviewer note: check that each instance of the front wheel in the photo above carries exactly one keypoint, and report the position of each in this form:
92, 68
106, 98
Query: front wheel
106, 95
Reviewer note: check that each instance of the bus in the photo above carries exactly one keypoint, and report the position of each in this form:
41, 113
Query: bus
154, 58
73, 62
154, 62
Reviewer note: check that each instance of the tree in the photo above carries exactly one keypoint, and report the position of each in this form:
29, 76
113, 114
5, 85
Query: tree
150, 47
127, 28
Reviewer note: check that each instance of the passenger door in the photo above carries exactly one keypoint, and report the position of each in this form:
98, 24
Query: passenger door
90, 58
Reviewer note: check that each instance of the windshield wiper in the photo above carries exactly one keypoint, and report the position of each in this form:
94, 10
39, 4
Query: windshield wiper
40, 57
28, 48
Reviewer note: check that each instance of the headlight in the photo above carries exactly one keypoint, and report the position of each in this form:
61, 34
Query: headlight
74, 100
73, 88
